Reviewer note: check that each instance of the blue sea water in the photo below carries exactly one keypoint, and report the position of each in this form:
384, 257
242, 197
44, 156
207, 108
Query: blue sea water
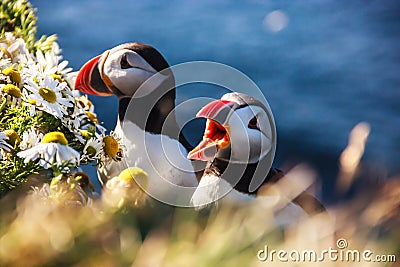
323, 65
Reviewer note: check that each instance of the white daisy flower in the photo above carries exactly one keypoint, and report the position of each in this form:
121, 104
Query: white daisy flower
112, 147
79, 124
49, 63
28, 68
3, 144
48, 96
30, 138
12, 48
93, 149
53, 148
84, 118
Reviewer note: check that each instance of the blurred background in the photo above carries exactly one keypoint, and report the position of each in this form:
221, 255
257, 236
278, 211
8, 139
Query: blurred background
323, 65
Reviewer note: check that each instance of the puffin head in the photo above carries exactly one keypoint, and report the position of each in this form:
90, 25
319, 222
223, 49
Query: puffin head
122, 70
239, 129
140, 77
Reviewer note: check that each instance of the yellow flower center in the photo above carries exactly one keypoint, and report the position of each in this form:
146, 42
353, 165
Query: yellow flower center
92, 117
32, 101
56, 77
91, 151
12, 90
55, 137
13, 137
110, 146
48, 95
13, 74
136, 175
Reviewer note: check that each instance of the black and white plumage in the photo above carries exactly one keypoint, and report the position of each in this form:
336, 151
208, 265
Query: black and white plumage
140, 77
239, 145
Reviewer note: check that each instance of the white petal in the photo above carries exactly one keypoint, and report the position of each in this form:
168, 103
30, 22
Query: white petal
62, 65
65, 102
44, 164
40, 57
66, 71
51, 151
13, 47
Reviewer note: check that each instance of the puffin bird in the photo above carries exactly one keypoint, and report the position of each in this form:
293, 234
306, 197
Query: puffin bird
145, 86
239, 145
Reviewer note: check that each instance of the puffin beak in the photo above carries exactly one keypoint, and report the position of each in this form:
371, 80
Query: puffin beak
216, 134
90, 80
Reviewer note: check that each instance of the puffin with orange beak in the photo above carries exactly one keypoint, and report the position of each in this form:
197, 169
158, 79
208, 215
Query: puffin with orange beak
121, 71
239, 145
141, 79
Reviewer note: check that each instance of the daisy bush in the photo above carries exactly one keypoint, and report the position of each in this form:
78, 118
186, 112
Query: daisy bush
47, 129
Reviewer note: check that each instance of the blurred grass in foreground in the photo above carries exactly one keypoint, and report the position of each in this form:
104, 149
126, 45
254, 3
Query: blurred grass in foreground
39, 231
64, 227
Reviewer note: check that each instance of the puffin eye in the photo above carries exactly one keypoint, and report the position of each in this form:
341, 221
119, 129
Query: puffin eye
253, 123
124, 62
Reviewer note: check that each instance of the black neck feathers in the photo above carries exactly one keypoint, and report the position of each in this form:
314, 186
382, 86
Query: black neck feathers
229, 172
156, 117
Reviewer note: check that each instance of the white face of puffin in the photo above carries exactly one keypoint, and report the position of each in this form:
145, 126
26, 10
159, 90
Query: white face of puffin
237, 135
127, 71
250, 135
122, 71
